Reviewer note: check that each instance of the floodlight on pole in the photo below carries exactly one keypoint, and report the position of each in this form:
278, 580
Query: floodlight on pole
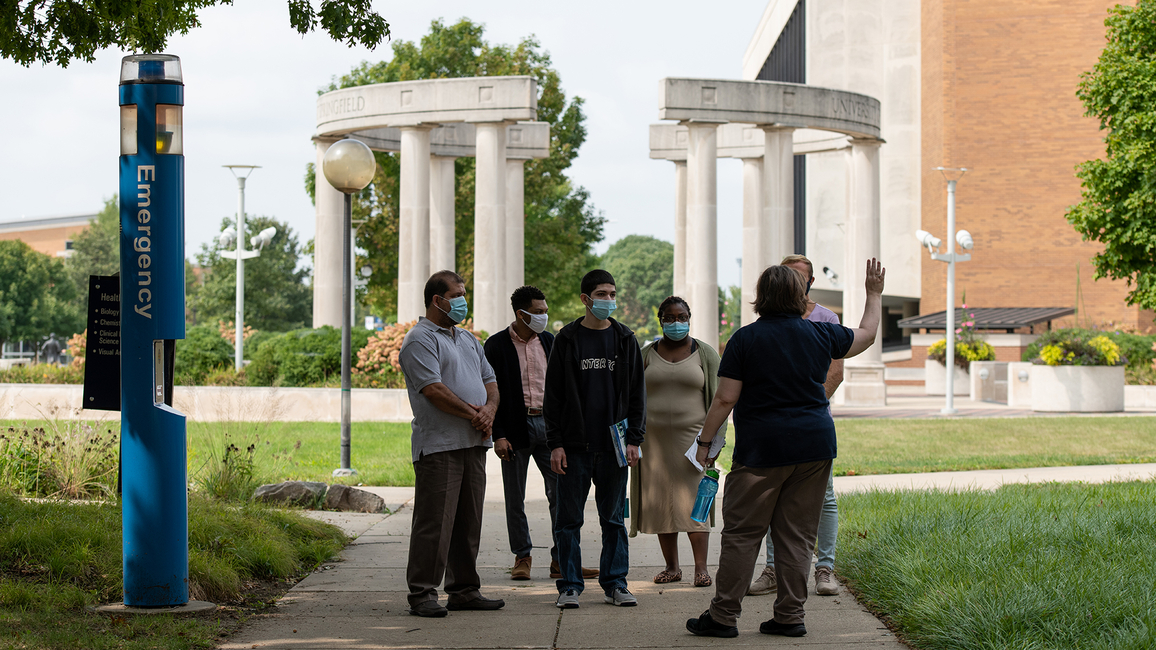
932, 243
349, 166
262, 239
241, 172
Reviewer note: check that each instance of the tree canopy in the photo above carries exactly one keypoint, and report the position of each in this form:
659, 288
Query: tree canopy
36, 295
62, 31
95, 250
277, 298
561, 223
643, 268
1118, 206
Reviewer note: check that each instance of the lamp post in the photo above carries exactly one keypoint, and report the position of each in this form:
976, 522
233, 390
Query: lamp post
932, 243
349, 166
241, 172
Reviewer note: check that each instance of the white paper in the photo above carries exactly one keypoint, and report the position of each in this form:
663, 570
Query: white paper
716, 445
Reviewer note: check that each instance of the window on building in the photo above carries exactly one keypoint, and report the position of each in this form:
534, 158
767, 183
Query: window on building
788, 62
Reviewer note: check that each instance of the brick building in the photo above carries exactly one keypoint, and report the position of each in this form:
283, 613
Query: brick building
49, 235
984, 84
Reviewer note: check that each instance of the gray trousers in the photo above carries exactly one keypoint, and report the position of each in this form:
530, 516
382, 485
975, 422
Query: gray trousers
514, 488
449, 490
788, 499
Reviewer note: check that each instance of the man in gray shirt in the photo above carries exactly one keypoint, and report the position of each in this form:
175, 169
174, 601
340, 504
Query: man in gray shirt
454, 395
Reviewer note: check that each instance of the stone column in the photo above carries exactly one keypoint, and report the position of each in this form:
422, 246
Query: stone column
778, 227
863, 375
680, 228
515, 229
327, 268
752, 237
441, 215
489, 227
413, 227
702, 230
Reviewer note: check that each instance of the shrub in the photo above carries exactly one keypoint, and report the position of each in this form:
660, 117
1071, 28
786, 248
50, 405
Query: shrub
1075, 347
377, 363
302, 357
201, 351
968, 346
43, 373
77, 344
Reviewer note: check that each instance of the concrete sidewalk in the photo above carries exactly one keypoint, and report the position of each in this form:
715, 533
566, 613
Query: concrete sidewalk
360, 602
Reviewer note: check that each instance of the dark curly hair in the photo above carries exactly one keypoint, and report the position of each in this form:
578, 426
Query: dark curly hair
524, 296
672, 300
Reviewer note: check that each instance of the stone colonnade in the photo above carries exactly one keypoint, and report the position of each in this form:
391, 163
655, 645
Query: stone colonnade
756, 121
431, 123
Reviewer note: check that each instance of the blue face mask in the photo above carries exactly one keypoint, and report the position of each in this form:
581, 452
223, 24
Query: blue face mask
458, 309
602, 308
676, 331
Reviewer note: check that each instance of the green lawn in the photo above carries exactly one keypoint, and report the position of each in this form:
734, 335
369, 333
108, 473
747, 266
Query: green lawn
381, 451
1024, 566
940, 445
310, 451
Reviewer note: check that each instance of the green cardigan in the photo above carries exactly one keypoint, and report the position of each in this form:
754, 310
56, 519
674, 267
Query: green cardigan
710, 362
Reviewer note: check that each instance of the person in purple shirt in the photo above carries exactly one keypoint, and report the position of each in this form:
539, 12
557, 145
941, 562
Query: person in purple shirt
825, 584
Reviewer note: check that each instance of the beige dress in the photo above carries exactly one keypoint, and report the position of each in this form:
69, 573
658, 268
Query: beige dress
675, 411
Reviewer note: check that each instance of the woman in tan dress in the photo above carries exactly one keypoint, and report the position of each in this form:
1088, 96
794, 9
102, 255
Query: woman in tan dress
681, 377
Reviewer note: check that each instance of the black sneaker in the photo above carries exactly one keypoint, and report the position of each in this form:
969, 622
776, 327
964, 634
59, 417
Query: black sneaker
704, 625
774, 627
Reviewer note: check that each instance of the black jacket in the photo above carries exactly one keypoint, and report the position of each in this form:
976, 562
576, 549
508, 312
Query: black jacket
510, 421
565, 424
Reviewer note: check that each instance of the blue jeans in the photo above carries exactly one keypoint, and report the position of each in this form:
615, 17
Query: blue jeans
828, 531
609, 480
514, 488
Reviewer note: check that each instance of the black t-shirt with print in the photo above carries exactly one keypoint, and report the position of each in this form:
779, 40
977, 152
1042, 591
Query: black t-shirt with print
596, 360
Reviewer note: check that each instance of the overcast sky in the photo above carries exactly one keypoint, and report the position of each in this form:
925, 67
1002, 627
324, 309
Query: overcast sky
250, 93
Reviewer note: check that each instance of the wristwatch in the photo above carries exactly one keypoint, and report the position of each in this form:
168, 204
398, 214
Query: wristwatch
703, 444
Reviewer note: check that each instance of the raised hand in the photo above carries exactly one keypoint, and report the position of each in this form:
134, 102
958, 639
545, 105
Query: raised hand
875, 277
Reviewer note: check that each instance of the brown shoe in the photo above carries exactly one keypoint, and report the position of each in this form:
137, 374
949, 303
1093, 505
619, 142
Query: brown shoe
556, 572
521, 569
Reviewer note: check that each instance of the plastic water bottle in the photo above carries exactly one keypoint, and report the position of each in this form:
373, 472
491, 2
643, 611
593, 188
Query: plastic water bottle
707, 488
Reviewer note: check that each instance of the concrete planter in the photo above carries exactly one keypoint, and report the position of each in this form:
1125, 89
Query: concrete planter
935, 379
1078, 389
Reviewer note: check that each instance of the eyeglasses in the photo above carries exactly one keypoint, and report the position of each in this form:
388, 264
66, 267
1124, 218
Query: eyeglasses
681, 318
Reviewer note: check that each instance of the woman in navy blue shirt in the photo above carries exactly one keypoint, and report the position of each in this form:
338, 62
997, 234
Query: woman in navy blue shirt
772, 376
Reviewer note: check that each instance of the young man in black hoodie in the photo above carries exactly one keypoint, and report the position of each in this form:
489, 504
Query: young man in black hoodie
518, 355
594, 383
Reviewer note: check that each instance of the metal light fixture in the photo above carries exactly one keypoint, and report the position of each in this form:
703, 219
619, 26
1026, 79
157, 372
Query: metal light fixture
932, 243
349, 166
241, 172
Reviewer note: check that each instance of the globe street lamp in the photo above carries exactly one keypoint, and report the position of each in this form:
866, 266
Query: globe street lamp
349, 166
932, 243
241, 172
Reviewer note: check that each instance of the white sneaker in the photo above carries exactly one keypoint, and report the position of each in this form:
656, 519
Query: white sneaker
567, 599
825, 584
621, 597
765, 583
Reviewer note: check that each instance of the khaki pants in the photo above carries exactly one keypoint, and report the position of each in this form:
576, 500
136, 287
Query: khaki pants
788, 499
449, 490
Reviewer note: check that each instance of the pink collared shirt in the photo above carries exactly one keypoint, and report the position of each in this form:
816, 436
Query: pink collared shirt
532, 363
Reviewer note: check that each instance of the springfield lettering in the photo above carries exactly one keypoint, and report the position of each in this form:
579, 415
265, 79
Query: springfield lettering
143, 245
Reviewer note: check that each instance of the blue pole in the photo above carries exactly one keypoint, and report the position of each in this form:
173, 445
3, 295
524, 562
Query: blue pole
155, 527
